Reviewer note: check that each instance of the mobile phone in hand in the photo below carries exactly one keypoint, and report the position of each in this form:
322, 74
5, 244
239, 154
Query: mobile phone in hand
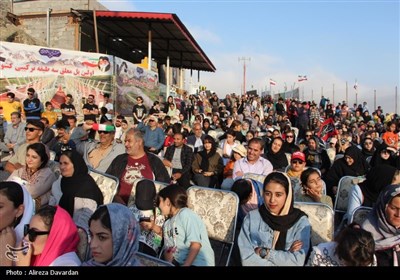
144, 219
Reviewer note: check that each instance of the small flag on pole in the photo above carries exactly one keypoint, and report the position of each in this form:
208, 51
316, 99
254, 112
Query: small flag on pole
356, 86
272, 82
302, 78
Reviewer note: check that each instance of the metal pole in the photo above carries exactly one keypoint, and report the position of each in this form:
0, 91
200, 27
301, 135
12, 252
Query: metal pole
96, 37
244, 72
48, 27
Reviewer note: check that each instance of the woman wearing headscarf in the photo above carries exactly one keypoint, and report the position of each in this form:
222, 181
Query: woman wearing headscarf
51, 239
115, 237
366, 193
76, 191
16, 211
275, 234
276, 154
384, 224
207, 164
383, 155
352, 164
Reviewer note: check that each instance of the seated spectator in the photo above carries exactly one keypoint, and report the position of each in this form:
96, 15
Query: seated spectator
276, 155
186, 240
238, 152
366, 193
98, 154
384, 155
149, 216
297, 166
352, 164
16, 211
317, 157
136, 163
207, 165
312, 188
76, 191
353, 246
384, 223
35, 175
284, 238
52, 239
115, 237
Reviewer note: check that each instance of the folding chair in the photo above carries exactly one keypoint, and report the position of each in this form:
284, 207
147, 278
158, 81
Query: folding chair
218, 209
83, 249
254, 176
342, 197
107, 184
360, 214
321, 218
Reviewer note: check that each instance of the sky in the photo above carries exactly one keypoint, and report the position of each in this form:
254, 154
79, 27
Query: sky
331, 42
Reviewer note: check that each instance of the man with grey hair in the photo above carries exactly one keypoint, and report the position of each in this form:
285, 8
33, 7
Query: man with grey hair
134, 164
15, 135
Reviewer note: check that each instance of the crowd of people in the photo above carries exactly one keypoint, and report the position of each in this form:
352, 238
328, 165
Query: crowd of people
301, 148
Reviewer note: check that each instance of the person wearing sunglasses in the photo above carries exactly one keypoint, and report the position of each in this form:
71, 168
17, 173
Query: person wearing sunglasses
16, 210
33, 132
36, 175
296, 167
32, 106
98, 154
384, 155
51, 239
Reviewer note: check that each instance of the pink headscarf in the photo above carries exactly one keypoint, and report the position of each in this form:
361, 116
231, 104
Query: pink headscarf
63, 238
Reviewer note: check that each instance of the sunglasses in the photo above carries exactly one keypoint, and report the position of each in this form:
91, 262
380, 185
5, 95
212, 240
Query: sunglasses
297, 161
32, 234
104, 132
31, 129
289, 136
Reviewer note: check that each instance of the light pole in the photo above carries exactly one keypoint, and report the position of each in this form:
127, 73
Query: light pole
244, 59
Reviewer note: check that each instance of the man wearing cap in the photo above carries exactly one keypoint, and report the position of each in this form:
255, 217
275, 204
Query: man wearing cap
153, 135
62, 141
179, 157
98, 154
10, 106
67, 108
136, 163
296, 167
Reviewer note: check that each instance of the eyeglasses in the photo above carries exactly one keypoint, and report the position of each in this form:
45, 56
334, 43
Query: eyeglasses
31, 129
297, 161
32, 234
104, 132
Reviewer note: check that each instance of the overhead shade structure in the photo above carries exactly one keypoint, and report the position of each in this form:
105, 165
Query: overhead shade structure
125, 34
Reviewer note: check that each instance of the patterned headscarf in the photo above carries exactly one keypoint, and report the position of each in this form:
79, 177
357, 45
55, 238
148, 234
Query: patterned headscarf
125, 237
385, 235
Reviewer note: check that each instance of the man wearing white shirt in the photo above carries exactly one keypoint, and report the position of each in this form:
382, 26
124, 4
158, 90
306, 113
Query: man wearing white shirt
253, 163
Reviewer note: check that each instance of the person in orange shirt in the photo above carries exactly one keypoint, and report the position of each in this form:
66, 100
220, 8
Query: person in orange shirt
390, 136
49, 114
10, 106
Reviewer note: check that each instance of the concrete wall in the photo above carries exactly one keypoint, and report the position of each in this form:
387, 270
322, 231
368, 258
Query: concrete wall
63, 29
41, 6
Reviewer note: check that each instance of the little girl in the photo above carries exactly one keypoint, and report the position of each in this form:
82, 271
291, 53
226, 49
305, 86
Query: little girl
186, 241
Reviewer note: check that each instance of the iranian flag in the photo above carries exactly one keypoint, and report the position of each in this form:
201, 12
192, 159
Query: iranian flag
272, 82
302, 78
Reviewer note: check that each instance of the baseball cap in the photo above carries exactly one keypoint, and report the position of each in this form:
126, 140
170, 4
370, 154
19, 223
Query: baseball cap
298, 155
145, 194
